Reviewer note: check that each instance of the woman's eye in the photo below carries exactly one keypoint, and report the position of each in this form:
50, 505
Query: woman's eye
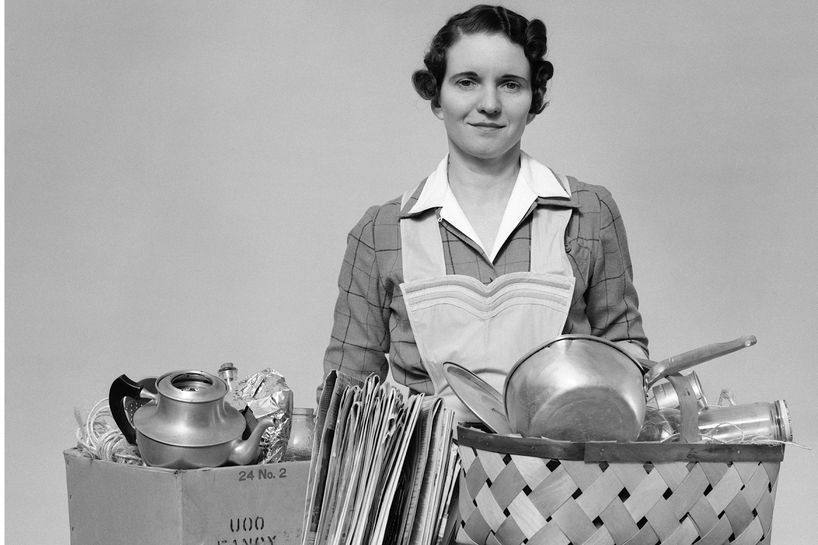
512, 85
465, 83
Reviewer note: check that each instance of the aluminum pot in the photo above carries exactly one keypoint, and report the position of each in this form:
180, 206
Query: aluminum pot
585, 388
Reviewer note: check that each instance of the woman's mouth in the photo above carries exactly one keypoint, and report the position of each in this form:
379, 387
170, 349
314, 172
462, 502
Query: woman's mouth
487, 125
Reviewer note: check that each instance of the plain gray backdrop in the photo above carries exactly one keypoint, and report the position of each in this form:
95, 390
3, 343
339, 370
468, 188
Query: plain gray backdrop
181, 176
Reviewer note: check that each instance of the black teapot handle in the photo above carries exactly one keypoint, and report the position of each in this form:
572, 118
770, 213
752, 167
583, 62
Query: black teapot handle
122, 388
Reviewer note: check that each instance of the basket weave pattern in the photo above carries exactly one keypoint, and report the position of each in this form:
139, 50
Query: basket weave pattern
512, 499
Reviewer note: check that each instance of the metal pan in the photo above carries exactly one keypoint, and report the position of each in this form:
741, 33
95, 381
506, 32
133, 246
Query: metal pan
585, 388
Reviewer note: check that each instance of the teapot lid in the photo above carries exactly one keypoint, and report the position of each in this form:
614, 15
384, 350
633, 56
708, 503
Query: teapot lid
191, 386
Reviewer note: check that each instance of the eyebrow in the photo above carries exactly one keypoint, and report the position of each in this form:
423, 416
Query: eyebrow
475, 75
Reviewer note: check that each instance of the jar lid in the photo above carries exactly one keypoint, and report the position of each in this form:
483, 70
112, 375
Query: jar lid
698, 391
784, 422
228, 371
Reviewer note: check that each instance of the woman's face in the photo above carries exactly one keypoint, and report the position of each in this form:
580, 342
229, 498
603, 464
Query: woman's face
485, 96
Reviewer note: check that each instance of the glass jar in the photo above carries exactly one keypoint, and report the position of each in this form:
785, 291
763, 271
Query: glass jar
229, 374
302, 431
747, 423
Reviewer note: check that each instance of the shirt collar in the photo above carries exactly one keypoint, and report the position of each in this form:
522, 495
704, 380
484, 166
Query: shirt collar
538, 179
434, 190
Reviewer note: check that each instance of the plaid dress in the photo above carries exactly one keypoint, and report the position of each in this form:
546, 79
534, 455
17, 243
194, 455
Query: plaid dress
370, 320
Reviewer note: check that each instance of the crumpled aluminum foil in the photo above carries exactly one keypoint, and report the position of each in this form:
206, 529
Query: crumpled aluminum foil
266, 393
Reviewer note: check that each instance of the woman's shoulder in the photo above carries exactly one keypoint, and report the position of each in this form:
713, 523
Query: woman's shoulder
389, 212
590, 197
380, 223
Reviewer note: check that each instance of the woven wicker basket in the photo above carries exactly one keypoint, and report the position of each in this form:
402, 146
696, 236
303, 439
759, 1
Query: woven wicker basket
535, 491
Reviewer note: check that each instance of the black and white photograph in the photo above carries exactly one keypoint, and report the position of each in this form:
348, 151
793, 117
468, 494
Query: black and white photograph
429, 273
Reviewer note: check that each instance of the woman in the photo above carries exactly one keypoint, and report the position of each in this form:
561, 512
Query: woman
493, 253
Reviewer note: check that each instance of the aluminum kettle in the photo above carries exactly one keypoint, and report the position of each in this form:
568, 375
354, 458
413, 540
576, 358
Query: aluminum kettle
186, 423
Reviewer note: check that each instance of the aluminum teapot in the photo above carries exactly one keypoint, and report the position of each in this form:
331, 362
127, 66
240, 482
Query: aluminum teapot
186, 423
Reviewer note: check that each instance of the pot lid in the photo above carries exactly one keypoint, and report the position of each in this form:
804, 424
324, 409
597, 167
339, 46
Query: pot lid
479, 396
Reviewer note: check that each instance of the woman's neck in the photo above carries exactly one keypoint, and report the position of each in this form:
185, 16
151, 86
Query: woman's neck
482, 189
487, 181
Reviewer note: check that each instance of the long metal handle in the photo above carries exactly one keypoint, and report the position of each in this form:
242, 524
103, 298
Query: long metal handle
688, 359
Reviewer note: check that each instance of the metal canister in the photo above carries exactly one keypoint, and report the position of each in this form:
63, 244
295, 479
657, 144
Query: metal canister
663, 395
747, 423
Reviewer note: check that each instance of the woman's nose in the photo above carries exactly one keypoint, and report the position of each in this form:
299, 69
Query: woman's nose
489, 103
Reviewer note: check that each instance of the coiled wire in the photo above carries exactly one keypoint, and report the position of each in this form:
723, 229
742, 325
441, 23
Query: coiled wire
98, 438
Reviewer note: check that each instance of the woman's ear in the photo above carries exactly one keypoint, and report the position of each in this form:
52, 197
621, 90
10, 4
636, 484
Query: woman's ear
437, 110
530, 118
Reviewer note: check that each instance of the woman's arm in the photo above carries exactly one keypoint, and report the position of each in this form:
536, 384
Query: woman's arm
360, 334
612, 305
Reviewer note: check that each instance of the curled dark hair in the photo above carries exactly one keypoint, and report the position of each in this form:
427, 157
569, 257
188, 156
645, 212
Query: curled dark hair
488, 20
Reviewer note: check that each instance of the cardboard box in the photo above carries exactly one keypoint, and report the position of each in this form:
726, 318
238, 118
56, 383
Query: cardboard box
113, 504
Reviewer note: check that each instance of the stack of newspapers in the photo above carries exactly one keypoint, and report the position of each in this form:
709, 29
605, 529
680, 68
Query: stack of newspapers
383, 467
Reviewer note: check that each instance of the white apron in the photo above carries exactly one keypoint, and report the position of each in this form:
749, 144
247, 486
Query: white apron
483, 327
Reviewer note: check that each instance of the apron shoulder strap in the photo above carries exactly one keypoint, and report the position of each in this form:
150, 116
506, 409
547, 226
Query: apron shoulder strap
563, 180
421, 245
548, 241
405, 198
548, 236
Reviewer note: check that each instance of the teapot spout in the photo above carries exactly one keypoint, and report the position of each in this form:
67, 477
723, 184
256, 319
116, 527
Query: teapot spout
247, 451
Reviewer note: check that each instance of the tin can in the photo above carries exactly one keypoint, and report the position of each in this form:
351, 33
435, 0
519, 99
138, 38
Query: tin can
663, 395
747, 423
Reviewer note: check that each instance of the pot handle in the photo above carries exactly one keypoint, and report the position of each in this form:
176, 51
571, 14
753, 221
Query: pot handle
685, 360
121, 388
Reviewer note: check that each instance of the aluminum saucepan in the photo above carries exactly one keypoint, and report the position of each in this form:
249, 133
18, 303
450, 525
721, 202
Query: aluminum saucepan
585, 388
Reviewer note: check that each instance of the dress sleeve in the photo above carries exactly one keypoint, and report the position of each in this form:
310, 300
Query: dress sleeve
360, 333
612, 305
